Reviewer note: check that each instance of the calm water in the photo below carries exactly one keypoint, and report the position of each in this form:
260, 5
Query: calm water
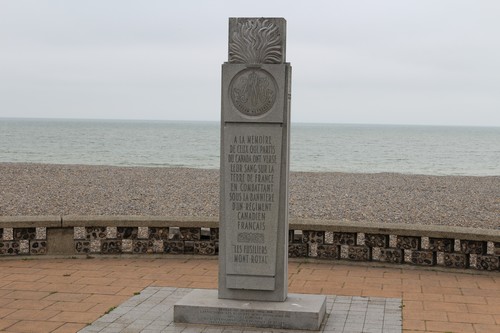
314, 147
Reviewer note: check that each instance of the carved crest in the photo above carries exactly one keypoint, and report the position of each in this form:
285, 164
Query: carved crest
253, 92
256, 41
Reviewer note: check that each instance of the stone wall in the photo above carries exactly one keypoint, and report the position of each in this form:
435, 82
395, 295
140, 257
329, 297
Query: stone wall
447, 247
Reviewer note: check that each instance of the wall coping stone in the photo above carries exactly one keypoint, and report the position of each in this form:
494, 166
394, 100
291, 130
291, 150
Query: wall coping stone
47, 221
418, 230
139, 221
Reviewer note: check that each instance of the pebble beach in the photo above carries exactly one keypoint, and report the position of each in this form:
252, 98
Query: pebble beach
52, 189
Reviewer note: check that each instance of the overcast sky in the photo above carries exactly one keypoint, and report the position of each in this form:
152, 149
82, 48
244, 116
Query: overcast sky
374, 61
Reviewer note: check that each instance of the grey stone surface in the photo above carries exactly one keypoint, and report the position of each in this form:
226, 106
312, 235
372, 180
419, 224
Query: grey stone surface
152, 311
299, 311
30, 221
60, 240
255, 112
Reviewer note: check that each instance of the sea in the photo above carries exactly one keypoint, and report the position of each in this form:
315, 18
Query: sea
353, 148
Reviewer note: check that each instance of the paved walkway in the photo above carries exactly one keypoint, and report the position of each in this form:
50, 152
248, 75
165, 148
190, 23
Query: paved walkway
152, 311
65, 295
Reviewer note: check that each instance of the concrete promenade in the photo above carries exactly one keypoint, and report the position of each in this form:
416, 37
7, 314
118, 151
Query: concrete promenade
65, 295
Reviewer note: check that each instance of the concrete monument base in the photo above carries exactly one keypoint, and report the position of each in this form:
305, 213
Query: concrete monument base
299, 311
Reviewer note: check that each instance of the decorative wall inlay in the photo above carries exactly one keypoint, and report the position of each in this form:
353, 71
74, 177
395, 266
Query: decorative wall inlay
253, 91
204, 248
358, 253
344, 238
205, 234
9, 247
374, 240
157, 246
142, 246
255, 41
456, 260
423, 258
111, 232
391, 255
440, 258
490, 248
328, 237
95, 245
79, 233
473, 260
496, 248
82, 246
472, 247
189, 247
8, 234
407, 256
214, 234
111, 246
344, 251
481, 255
425, 243
487, 263
393, 241
295, 236
142, 233
408, 243
328, 251
174, 233
24, 233
126, 232
127, 245
158, 233
38, 247
189, 234
93, 233
24, 246
173, 247
313, 250
376, 253
41, 233
312, 237
360, 239
441, 244
297, 250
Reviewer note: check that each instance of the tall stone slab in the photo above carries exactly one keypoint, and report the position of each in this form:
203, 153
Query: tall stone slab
253, 244
255, 135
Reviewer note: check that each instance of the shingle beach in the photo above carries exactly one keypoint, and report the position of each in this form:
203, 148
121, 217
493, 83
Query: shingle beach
47, 189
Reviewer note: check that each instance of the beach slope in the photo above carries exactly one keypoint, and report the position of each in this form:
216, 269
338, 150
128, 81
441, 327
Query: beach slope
48, 189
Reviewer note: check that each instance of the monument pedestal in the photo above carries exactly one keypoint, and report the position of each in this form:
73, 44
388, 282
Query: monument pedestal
298, 311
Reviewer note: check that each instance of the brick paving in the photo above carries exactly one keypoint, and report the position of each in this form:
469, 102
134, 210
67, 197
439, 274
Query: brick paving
66, 295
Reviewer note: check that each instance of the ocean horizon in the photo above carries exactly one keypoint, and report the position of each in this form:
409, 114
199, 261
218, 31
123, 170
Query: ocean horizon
352, 148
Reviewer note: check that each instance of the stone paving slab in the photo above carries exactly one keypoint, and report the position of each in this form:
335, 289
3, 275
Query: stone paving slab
152, 311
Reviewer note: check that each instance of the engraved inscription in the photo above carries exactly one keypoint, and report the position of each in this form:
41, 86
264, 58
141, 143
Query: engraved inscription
253, 92
256, 41
242, 317
252, 199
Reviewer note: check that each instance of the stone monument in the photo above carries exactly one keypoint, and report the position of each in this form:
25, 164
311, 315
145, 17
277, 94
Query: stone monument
253, 248
255, 144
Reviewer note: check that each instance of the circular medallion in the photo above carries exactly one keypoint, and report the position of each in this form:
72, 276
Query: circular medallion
253, 91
